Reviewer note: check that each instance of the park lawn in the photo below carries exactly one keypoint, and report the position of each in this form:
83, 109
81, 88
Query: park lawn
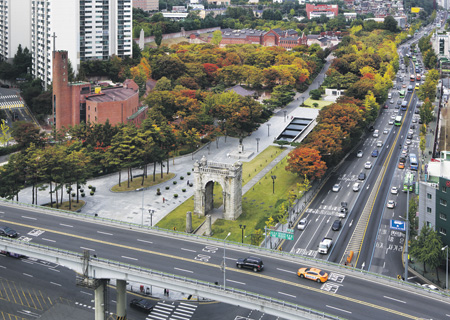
177, 218
65, 205
137, 182
258, 204
321, 103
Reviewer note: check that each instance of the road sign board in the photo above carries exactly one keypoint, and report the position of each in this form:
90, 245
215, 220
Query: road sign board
290, 230
398, 225
281, 235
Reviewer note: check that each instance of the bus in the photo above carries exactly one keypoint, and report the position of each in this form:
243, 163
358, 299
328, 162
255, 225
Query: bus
414, 58
398, 121
401, 93
413, 164
412, 78
408, 183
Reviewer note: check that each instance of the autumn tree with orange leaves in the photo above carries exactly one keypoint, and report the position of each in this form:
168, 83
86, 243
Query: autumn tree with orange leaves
305, 161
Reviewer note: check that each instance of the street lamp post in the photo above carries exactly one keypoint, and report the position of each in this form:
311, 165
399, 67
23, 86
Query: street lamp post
273, 183
224, 265
257, 145
446, 268
284, 111
268, 129
242, 226
142, 209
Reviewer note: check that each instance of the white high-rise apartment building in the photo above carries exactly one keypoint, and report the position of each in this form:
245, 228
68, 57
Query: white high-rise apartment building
87, 29
14, 27
146, 5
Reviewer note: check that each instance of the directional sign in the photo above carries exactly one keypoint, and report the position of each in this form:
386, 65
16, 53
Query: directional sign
290, 230
398, 225
281, 235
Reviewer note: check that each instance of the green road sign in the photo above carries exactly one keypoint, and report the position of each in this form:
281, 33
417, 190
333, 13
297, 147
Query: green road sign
281, 235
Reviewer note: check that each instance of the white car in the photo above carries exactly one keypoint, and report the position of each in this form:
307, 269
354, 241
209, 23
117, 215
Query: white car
385, 131
408, 141
368, 165
414, 120
356, 187
359, 154
379, 143
394, 190
411, 131
302, 224
430, 286
336, 187
391, 204
391, 122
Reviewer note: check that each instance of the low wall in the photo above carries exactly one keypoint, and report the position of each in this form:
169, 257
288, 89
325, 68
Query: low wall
178, 34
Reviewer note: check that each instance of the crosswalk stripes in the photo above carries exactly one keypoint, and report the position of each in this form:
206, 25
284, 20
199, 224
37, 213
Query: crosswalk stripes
165, 311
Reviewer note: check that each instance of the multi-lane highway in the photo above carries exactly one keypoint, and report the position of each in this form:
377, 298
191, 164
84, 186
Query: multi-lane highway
348, 294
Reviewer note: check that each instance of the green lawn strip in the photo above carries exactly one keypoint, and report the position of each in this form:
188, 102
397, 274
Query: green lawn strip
137, 182
258, 204
321, 103
65, 205
177, 218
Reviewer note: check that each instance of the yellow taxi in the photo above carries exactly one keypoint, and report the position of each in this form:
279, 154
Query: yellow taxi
401, 165
313, 274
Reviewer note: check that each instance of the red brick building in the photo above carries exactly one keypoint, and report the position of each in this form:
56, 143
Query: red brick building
276, 37
320, 9
77, 102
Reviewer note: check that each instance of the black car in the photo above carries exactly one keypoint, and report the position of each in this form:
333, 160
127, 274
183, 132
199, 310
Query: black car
337, 224
362, 176
253, 263
409, 136
141, 304
8, 232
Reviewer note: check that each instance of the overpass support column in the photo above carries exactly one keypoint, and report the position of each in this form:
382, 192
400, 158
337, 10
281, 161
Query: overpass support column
100, 301
121, 289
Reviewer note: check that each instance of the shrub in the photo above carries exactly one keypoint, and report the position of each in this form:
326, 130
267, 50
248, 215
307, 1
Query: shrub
78, 187
83, 194
73, 194
158, 193
188, 173
89, 186
92, 193
181, 178
81, 190
184, 190
93, 189
175, 195
174, 182
167, 187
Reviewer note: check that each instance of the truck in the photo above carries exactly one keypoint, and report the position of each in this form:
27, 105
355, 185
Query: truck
325, 245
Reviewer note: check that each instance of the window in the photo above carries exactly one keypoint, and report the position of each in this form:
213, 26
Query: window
443, 202
428, 224
428, 210
442, 231
428, 195
443, 216
444, 189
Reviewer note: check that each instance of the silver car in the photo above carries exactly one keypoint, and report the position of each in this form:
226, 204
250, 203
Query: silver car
302, 224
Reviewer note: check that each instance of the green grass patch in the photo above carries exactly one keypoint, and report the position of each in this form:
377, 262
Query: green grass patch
321, 103
65, 205
258, 204
177, 218
137, 182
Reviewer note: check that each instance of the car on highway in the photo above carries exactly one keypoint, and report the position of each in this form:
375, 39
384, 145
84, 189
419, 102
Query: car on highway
386, 106
302, 224
379, 143
394, 190
253, 263
142, 305
362, 176
375, 153
391, 204
409, 136
408, 141
411, 131
392, 101
343, 212
386, 131
414, 120
313, 274
8, 232
430, 286
356, 186
404, 153
336, 187
391, 122
359, 154
368, 165
337, 224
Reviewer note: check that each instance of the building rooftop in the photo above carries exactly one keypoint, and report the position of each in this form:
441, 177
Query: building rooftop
241, 91
112, 94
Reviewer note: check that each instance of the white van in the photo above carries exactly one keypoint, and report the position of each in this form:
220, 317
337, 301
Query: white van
389, 95
376, 133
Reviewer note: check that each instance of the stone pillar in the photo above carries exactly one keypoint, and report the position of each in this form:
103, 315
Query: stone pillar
208, 231
121, 288
100, 301
189, 222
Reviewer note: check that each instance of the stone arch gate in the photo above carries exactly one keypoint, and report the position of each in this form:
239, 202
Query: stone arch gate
230, 178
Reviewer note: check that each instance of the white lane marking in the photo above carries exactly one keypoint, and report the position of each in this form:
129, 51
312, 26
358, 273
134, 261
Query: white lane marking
2, 212
66, 225
3, 267
144, 241
88, 293
448, 315
288, 271
184, 270
236, 282
56, 284
394, 299
287, 294
338, 309
190, 250
28, 275
107, 233
125, 257
30, 218
87, 249
48, 240
54, 270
